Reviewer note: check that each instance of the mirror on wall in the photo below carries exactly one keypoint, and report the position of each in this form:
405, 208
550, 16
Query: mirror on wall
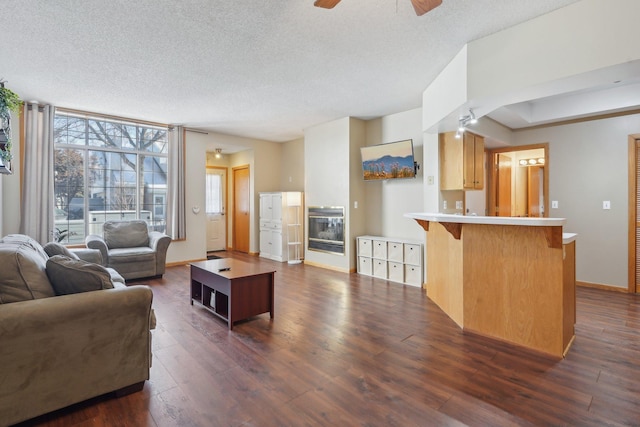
519, 181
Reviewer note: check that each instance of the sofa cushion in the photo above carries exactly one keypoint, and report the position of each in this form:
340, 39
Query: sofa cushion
22, 274
126, 234
22, 239
70, 276
55, 248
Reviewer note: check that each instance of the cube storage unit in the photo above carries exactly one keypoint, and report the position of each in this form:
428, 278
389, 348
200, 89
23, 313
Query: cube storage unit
398, 260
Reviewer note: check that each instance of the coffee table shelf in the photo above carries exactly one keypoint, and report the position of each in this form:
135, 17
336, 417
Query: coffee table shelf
232, 290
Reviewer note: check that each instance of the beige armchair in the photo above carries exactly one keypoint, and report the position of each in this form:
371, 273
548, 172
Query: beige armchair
131, 249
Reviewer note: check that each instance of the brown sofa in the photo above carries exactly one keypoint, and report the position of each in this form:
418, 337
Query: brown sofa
58, 348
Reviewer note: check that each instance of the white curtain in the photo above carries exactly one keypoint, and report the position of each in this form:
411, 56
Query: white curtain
37, 184
176, 211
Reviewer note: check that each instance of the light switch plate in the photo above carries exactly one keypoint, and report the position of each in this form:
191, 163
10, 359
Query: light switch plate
554, 204
606, 204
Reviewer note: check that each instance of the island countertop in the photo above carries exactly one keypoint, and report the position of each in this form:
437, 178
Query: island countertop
489, 220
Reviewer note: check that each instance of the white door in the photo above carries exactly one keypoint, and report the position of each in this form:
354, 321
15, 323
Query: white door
215, 199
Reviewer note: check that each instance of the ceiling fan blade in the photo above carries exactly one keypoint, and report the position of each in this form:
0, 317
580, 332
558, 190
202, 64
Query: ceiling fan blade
327, 4
424, 6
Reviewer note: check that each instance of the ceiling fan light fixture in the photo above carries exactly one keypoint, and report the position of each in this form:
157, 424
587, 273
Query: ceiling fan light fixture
326, 4
423, 6
420, 6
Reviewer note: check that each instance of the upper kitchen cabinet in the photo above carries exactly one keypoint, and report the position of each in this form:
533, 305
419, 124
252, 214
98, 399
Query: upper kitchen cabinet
461, 161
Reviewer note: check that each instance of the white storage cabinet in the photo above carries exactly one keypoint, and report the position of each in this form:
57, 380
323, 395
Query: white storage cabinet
280, 225
398, 260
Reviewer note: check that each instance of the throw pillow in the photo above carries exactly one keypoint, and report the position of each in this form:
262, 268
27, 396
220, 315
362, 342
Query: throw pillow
55, 248
70, 276
126, 234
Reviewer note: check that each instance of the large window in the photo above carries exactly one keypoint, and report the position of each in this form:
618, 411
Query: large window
107, 170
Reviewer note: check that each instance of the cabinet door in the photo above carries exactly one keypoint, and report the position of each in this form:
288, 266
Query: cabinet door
266, 207
450, 162
265, 243
276, 245
478, 169
473, 163
276, 207
468, 161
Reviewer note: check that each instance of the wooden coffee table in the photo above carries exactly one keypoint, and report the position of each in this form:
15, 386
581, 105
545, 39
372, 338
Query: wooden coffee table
232, 290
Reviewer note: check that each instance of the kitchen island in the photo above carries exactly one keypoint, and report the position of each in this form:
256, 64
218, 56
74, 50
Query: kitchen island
507, 278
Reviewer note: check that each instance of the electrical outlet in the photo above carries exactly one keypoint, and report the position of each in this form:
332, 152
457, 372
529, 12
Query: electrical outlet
458, 204
606, 204
430, 180
444, 205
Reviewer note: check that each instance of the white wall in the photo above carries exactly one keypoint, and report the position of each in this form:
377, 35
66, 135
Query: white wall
292, 165
531, 60
264, 176
327, 178
388, 201
588, 165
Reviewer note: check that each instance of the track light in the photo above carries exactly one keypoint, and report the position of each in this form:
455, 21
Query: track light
463, 121
472, 117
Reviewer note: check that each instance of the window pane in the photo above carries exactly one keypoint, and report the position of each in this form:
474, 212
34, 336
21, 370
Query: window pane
129, 137
153, 140
121, 182
68, 188
154, 186
69, 130
214, 194
96, 133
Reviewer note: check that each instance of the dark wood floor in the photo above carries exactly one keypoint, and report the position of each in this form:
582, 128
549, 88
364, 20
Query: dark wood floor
350, 350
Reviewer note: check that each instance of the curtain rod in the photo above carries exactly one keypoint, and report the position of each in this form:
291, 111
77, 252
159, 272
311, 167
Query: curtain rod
88, 114
196, 131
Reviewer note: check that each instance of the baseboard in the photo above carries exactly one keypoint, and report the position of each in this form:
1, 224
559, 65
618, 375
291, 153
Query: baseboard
175, 264
327, 267
601, 286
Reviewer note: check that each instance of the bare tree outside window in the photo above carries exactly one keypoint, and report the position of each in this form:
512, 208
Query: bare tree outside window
107, 170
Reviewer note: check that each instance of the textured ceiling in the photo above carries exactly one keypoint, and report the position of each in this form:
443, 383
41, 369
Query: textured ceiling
261, 69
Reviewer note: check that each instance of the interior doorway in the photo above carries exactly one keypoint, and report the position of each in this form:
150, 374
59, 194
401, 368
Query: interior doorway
216, 202
519, 181
241, 208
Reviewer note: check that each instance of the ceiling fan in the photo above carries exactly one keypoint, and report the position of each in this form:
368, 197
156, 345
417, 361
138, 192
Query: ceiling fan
421, 6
